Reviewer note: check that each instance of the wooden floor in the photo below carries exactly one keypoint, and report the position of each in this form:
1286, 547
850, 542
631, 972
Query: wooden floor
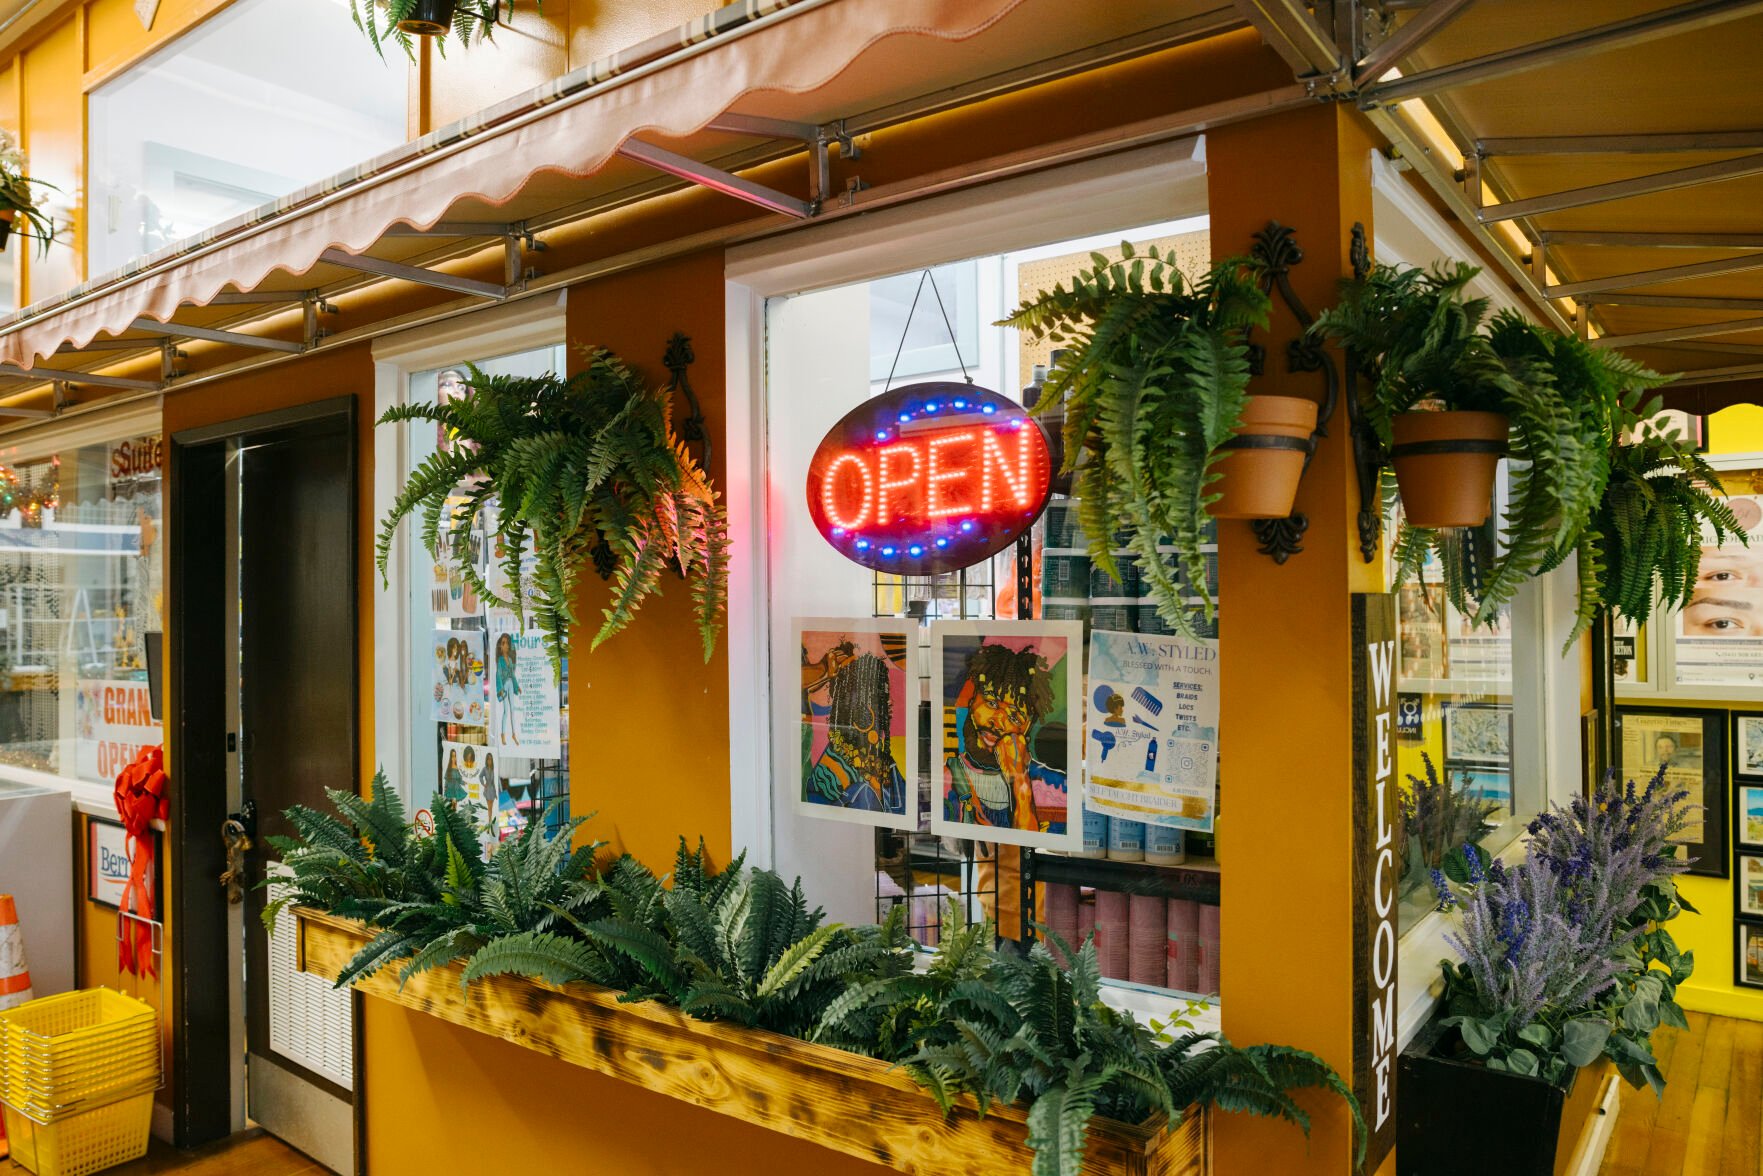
251, 1153
1711, 1118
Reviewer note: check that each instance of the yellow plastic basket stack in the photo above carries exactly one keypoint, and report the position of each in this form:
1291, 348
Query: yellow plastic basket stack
77, 1076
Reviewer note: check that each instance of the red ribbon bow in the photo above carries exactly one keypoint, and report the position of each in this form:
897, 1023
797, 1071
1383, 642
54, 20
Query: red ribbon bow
141, 796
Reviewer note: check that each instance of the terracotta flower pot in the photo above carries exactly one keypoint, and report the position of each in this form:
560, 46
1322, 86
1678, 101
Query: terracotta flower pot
1261, 465
430, 18
1445, 464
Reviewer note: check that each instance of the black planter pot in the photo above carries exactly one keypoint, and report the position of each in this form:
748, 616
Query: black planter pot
1454, 1117
5, 230
430, 18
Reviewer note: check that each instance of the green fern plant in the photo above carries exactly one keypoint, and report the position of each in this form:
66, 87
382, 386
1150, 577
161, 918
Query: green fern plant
582, 469
893, 1016
383, 20
1033, 1031
1153, 379
1642, 552
736, 945
1421, 340
432, 898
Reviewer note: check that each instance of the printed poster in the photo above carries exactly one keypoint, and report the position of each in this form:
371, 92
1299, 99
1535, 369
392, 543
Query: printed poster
1720, 632
1008, 696
524, 699
459, 677
1152, 752
859, 759
449, 592
113, 721
466, 770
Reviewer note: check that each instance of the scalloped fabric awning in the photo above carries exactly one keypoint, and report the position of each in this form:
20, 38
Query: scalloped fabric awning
808, 60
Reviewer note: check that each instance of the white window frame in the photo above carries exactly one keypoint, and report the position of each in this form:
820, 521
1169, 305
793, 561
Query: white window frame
1659, 636
1409, 230
503, 330
1149, 186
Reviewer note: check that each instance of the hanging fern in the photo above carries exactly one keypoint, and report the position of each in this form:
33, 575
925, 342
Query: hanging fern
473, 20
580, 468
1152, 381
1420, 339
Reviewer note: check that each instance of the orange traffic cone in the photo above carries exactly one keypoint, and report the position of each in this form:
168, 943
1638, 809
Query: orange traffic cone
15, 977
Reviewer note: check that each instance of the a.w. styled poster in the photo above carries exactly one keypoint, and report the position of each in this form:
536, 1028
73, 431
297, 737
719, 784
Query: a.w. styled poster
1007, 701
1152, 743
459, 677
523, 691
859, 749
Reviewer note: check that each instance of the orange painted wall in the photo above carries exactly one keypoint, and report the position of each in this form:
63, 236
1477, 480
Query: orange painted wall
52, 114
1285, 823
649, 751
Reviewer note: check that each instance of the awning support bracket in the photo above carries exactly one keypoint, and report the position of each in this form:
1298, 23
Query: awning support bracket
819, 140
379, 267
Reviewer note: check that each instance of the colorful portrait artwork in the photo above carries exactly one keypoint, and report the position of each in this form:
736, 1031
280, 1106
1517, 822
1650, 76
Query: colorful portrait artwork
1010, 699
859, 758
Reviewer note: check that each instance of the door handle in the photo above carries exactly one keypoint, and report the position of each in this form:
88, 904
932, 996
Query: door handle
237, 834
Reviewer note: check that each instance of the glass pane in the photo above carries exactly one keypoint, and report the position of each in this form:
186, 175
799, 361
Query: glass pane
489, 720
1146, 901
79, 589
261, 100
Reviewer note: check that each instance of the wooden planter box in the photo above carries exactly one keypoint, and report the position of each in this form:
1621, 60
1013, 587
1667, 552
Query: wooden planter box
840, 1100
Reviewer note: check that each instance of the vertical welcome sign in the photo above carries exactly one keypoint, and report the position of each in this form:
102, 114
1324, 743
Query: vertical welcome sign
1376, 869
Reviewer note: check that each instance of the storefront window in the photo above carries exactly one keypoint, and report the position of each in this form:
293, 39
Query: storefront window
490, 721
1469, 778
80, 588
265, 97
934, 644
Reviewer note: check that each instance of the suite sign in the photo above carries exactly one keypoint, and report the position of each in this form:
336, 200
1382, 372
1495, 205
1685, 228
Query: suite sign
1376, 868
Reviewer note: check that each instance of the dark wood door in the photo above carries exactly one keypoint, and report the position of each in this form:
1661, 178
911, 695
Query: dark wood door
297, 717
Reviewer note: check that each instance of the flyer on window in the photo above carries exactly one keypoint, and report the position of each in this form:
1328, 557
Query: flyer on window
466, 769
524, 699
113, 721
459, 677
1152, 737
450, 594
1720, 633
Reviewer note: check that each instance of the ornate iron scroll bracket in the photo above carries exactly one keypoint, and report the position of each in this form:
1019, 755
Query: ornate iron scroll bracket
1368, 453
692, 431
1273, 255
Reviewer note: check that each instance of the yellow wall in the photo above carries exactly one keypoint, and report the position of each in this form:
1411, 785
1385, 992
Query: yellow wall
1711, 934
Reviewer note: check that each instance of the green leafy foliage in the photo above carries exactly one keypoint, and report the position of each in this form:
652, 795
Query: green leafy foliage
1576, 486
740, 945
1031, 1030
581, 468
434, 898
473, 20
1152, 382
19, 195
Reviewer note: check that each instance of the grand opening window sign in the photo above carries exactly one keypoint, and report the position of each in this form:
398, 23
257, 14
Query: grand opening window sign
929, 478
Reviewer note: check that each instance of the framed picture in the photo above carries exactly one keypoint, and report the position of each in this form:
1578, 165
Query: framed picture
1007, 706
1717, 636
1689, 746
1747, 957
1747, 886
1478, 733
1490, 785
107, 862
1747, 745
859, 723
1747, 816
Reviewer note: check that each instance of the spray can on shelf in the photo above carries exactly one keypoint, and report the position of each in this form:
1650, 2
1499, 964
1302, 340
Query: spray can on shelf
1126, 840
1165, 845
1095, 834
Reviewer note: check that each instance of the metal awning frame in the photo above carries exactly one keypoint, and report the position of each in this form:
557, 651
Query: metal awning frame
1348, 49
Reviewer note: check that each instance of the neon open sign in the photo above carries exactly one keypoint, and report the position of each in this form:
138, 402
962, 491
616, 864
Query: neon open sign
929, 478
